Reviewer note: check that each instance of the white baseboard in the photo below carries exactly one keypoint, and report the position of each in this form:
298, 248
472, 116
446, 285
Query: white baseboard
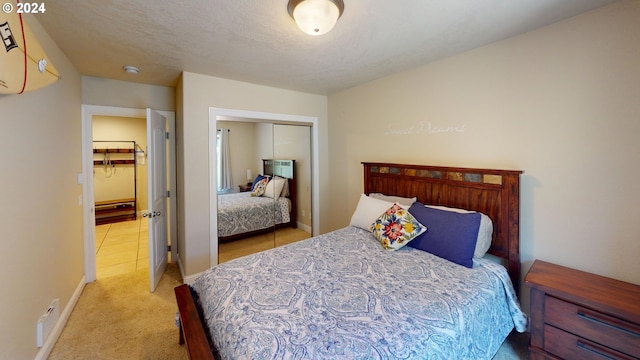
180, 267
191, 278
186, 279
45, 350
304, 227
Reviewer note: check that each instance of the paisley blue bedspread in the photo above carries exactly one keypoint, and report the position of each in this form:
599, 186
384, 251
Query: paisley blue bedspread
342, 296
239, 213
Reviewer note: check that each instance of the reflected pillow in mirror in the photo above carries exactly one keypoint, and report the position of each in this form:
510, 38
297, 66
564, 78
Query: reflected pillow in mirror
257, 179
260, 187
285, 188
274, 188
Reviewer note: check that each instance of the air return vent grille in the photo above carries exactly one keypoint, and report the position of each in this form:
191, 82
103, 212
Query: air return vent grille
48, 321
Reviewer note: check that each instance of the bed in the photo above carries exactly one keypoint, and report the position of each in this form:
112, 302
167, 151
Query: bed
354, 299
241, 215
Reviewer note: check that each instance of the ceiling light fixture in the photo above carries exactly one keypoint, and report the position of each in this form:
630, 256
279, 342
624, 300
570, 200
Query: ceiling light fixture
131, 69
315, 17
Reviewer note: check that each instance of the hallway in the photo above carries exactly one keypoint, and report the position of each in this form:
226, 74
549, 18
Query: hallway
121, 247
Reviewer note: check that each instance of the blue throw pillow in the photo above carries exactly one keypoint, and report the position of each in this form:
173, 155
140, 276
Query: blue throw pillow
257, 180
449, 235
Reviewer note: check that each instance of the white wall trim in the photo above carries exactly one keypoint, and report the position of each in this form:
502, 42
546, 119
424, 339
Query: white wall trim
191, 278
89, 234
187, 279
88, 111
45, 350
304, 227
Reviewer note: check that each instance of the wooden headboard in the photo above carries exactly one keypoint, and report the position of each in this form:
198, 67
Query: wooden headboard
495, 193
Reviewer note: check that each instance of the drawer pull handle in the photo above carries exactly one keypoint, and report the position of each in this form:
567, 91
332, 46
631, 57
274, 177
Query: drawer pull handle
593, 350
585, 316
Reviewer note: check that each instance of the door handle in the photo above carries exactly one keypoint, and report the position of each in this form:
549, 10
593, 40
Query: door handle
152, 214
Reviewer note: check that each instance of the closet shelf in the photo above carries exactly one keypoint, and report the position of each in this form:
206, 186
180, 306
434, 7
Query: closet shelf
115, 210
113, 151
114, 162
121, 209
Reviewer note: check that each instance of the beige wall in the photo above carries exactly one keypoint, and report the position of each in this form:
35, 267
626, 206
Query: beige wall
107, 92
118, 184
560, 103
40, 218
196, 94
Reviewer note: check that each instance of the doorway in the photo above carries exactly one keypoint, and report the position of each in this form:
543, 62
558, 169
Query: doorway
89, 112
120, 194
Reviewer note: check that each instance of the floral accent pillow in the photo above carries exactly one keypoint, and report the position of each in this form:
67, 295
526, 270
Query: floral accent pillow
260, 187
396, 227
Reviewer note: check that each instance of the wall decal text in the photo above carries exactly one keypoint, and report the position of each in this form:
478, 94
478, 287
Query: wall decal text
423, 127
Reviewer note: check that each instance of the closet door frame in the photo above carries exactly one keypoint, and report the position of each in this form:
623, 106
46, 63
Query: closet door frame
221, 114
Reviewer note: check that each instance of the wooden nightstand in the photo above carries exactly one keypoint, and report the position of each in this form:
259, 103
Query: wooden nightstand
578, 315
245, 187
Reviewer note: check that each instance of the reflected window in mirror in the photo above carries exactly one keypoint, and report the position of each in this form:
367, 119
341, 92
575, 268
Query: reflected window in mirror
223, 153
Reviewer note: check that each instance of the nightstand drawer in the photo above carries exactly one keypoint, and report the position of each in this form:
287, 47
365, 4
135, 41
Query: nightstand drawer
588, 324
569, 346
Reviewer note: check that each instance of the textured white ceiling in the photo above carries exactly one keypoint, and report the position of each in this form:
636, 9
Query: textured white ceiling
256, 40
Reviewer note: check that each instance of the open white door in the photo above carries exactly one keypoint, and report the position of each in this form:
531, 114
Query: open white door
157, 212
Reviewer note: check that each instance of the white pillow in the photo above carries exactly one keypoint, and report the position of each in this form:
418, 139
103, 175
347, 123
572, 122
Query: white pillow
274, 188
485, 231
368, 211
285, 189
400, 200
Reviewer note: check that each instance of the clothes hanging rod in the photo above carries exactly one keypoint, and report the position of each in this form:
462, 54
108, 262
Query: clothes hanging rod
116, 149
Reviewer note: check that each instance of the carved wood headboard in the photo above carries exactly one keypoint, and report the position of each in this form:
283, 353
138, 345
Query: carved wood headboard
495, 193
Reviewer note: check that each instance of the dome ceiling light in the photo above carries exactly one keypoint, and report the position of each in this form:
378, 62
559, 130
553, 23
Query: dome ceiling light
315, 17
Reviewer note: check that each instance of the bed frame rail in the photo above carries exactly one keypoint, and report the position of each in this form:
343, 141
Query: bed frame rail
191, 326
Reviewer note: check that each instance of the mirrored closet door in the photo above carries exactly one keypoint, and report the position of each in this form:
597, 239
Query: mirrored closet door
264, 193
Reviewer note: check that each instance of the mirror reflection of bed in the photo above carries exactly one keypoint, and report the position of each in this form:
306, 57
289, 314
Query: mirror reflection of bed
257, 149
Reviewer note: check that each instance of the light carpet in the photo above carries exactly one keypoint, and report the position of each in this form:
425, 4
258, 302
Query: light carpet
118, 318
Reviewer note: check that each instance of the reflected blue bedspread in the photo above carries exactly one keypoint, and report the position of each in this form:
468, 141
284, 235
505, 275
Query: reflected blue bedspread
342, 296
239, 213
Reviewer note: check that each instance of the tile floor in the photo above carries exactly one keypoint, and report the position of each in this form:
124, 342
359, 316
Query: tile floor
121, 247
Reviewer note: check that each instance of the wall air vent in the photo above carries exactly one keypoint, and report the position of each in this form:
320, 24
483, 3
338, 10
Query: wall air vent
47, 321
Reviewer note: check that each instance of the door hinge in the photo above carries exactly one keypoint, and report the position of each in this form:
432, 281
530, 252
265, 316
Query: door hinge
168, 247
168, 193
167, 135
